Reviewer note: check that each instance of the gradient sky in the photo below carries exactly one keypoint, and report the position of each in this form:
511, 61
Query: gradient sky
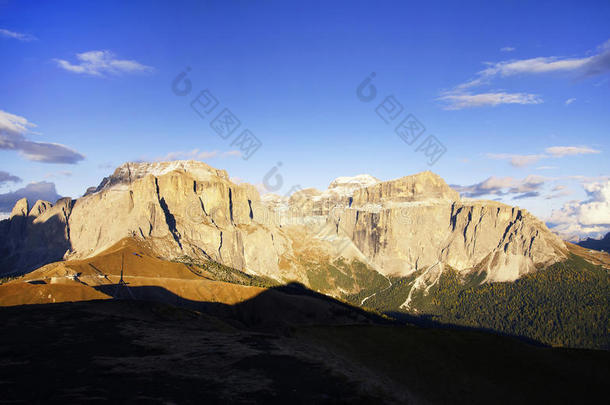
531, 130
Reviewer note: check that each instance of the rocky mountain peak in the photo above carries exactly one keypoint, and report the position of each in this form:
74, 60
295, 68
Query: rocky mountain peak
131, 171
347, 185
417, 187
20, 208
39, 207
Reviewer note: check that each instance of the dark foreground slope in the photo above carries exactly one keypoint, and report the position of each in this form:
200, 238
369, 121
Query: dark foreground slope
119, 350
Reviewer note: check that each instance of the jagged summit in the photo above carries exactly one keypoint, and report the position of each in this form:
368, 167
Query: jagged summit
131, 171
21, 208
417, 187
347, 185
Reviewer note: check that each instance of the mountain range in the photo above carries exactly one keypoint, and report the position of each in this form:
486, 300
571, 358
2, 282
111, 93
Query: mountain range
395, 228
354, 280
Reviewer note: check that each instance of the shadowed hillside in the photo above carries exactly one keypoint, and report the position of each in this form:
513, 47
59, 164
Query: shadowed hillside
131, 350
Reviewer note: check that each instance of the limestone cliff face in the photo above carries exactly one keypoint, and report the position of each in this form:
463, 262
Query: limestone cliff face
183, 209
191, 209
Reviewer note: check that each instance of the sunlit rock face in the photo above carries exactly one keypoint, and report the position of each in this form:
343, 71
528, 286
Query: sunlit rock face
188, 208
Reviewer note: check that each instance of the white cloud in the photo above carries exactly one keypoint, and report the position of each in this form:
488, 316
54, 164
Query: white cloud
516, 160
507, 49
550, 152
461, 96
13, 130
570, 101
533, 66
16, 35
460, 100
588, 218
63, 173
101, 63
561, 151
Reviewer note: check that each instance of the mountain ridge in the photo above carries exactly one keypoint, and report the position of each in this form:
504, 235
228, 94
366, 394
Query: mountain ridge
188, 208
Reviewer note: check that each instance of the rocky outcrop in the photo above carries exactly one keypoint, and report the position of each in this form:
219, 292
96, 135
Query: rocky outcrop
189, 209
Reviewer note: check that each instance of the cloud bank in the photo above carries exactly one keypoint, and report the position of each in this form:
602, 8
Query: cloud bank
503, 186
13, 130
6, 177
589, 218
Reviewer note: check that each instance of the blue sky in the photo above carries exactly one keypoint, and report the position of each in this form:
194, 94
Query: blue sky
289, 72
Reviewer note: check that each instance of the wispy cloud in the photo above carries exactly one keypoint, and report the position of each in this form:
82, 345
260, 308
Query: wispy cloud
462, 95
570, 101
550, 152
101, 63
16, 35
63, 173
507, 49
558, 192
13, 130
561, 151
516, 160
460, 100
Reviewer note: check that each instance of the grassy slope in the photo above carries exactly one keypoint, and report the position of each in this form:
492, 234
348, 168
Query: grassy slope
220, 272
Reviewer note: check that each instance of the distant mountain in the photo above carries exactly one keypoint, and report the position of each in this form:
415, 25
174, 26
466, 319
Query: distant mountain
43, 190
597, 244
